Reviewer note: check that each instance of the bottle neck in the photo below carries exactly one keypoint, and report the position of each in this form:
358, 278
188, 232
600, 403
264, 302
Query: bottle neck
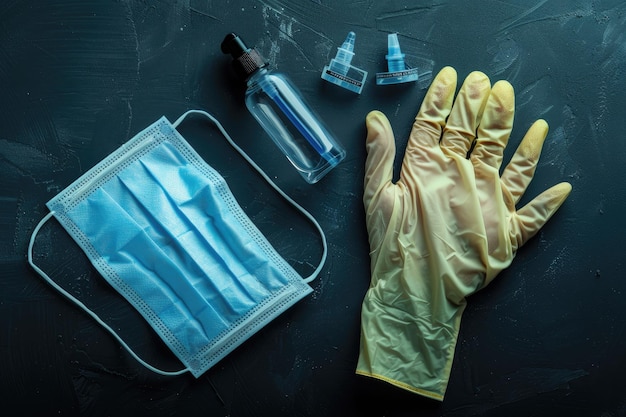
256, 77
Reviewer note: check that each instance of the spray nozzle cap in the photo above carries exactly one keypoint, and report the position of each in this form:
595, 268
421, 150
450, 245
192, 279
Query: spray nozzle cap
348, 45
393, 48
398, 72
245, 60
341, 72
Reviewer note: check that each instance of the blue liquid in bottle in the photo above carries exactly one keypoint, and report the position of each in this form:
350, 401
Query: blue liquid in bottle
280, 109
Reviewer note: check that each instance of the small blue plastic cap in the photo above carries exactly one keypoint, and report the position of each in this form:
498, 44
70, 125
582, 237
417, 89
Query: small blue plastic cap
340, 71
348, 44
397, 71
395, 57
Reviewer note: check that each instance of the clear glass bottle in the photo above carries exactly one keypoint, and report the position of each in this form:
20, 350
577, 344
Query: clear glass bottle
282, 112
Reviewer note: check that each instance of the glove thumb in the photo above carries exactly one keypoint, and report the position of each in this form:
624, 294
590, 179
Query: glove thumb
381, 152
537, 212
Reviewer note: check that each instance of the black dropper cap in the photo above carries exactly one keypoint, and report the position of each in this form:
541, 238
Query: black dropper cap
246, 61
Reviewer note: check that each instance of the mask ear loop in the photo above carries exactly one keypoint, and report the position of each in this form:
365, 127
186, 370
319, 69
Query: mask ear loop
86, 309
245, 156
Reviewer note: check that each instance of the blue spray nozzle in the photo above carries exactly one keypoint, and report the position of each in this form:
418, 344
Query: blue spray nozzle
341, 72
397, 71
343, 58
395, 57
348, 44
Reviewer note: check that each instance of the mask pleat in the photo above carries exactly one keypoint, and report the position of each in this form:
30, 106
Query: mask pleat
262, 271
199, 200
191, 238
248, 259
140, 262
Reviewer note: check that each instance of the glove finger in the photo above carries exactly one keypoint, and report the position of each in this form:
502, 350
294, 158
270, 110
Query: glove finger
495, 126
535, 214
381, 151
521, 169
460, 130
435, 109
429, 124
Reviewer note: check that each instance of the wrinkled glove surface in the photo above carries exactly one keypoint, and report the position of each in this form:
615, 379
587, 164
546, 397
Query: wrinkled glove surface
446, 228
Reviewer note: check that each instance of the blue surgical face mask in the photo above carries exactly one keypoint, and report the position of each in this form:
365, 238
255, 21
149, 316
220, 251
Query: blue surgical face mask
162, 227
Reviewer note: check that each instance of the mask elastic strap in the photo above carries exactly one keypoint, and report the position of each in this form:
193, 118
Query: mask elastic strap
245, 156
85, 308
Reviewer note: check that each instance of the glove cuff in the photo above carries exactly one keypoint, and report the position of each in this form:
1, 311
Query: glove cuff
428, 394
412, 350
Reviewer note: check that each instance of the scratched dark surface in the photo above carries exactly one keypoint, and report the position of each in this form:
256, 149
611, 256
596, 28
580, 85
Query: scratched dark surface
79, 78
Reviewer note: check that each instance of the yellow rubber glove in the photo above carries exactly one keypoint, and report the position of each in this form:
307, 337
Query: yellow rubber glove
446, 228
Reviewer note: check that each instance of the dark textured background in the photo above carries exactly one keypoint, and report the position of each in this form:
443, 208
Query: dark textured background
79, 78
